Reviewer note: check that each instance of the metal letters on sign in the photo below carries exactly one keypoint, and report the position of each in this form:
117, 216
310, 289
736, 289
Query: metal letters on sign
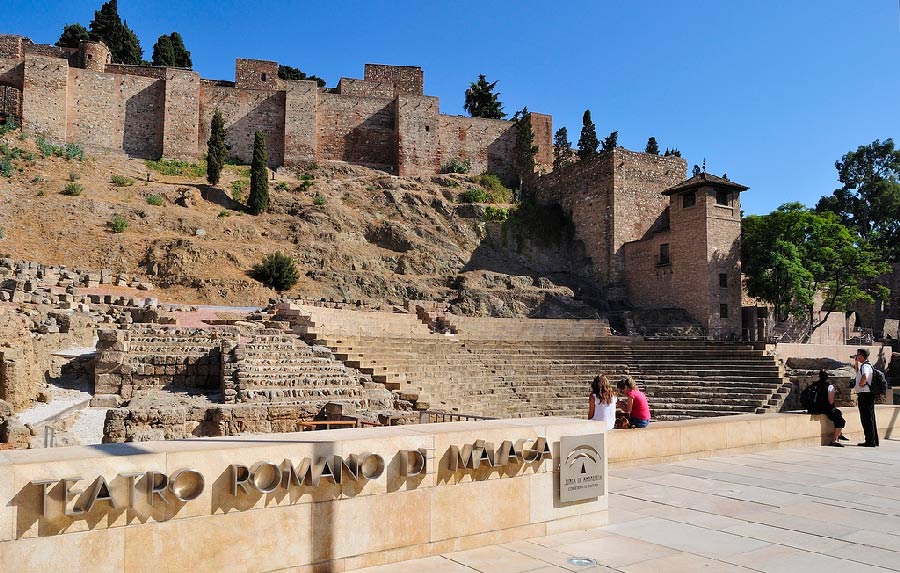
582, 467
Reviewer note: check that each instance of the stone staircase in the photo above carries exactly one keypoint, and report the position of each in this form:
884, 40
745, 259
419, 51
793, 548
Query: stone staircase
274, 366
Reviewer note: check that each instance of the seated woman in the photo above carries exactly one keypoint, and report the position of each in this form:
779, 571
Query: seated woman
602, 406
636, 406
825, 405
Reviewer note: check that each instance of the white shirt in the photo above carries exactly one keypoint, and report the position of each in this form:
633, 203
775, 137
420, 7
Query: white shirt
605, 412
867, 370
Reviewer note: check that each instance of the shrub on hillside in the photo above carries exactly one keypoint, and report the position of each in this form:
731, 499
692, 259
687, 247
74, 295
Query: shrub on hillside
474, 195
277, 270
121, 181
495, 214
281, 186
237, 190
118, 224
177, 168
457, 165
155, 200
498, 192
73, 189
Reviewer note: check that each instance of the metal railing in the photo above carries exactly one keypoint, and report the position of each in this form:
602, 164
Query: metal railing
430, 416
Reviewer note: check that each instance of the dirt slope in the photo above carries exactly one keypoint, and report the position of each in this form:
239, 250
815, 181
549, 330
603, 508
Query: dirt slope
375, 238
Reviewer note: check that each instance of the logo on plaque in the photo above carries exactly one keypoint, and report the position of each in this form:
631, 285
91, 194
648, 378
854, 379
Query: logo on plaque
581, 467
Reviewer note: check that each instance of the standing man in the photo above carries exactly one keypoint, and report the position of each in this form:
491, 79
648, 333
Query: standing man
865, 399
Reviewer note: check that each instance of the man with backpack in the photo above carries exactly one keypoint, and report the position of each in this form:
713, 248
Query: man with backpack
821, 401
865, 397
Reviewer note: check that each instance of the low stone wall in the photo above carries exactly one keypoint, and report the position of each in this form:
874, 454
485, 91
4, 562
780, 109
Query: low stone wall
339, 499
672, 441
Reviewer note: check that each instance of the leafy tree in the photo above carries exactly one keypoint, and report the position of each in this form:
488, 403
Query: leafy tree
163, 52
869, 200
481, 101
72, 36
696, 171
258, 201
652, 147
170, 51
588, 142
562, 148
122, 42
215, 148
525, 147
792, 253
611, 141
276, 270
292, 73
672, 153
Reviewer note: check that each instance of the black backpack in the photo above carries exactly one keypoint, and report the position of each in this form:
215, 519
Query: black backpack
879, 384
810, 397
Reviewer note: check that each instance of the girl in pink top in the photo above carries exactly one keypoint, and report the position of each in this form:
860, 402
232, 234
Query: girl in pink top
636, 406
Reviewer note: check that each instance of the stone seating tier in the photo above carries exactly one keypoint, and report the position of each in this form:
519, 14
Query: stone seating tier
541, 377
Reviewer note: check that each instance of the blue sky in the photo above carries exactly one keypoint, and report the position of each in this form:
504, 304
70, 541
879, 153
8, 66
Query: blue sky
771, 92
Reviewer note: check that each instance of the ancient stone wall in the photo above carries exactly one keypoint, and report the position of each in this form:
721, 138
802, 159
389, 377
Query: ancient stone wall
12, 72
245, 111
365, 88
357, 129
44, 97
181, 114
157, 357
301, 145
406, 80
648, 278
489, 144
47, 50
256, 75
143, 71
724, 256
114, 111
10, 46
418, 145
584, 191
94, 56
542, 126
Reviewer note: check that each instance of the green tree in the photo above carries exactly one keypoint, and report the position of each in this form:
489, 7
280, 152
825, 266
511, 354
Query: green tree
672, 153
163, 52
792, 253
525, 147
562, 148
107, 27
277, 270
169, 51
292, 73
481, 101
695, 171
72, 36
258, 201
588, 142
215, 148
611, 141
869, 200
652, 147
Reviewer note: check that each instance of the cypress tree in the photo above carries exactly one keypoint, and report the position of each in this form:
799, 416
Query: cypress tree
163, 52
258, 202
182, 55
611, 141
525, 147
562, 148
72, 36
215, 149
588, 142
107, 27
481, 101
652, 147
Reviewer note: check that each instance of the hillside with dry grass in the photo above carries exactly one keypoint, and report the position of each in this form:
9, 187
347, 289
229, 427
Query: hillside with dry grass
355, 233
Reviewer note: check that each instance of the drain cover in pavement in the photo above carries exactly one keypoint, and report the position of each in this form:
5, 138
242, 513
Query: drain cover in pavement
583, 561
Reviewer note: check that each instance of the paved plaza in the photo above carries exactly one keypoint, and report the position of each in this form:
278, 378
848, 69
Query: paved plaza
810, 509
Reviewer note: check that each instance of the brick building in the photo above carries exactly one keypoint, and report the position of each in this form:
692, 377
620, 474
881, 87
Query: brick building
383, 120
655, 239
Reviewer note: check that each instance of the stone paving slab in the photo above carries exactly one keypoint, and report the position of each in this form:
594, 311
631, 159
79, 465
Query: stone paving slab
799, 510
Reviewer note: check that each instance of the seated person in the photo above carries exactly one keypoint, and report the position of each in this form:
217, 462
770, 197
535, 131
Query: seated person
602, 402
635, 406
825, 405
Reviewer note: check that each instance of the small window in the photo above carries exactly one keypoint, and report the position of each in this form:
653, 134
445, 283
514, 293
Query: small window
723, 280
263, 76
427, 128
723, 311
722, 197
663, 258
90, 56
689, 199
